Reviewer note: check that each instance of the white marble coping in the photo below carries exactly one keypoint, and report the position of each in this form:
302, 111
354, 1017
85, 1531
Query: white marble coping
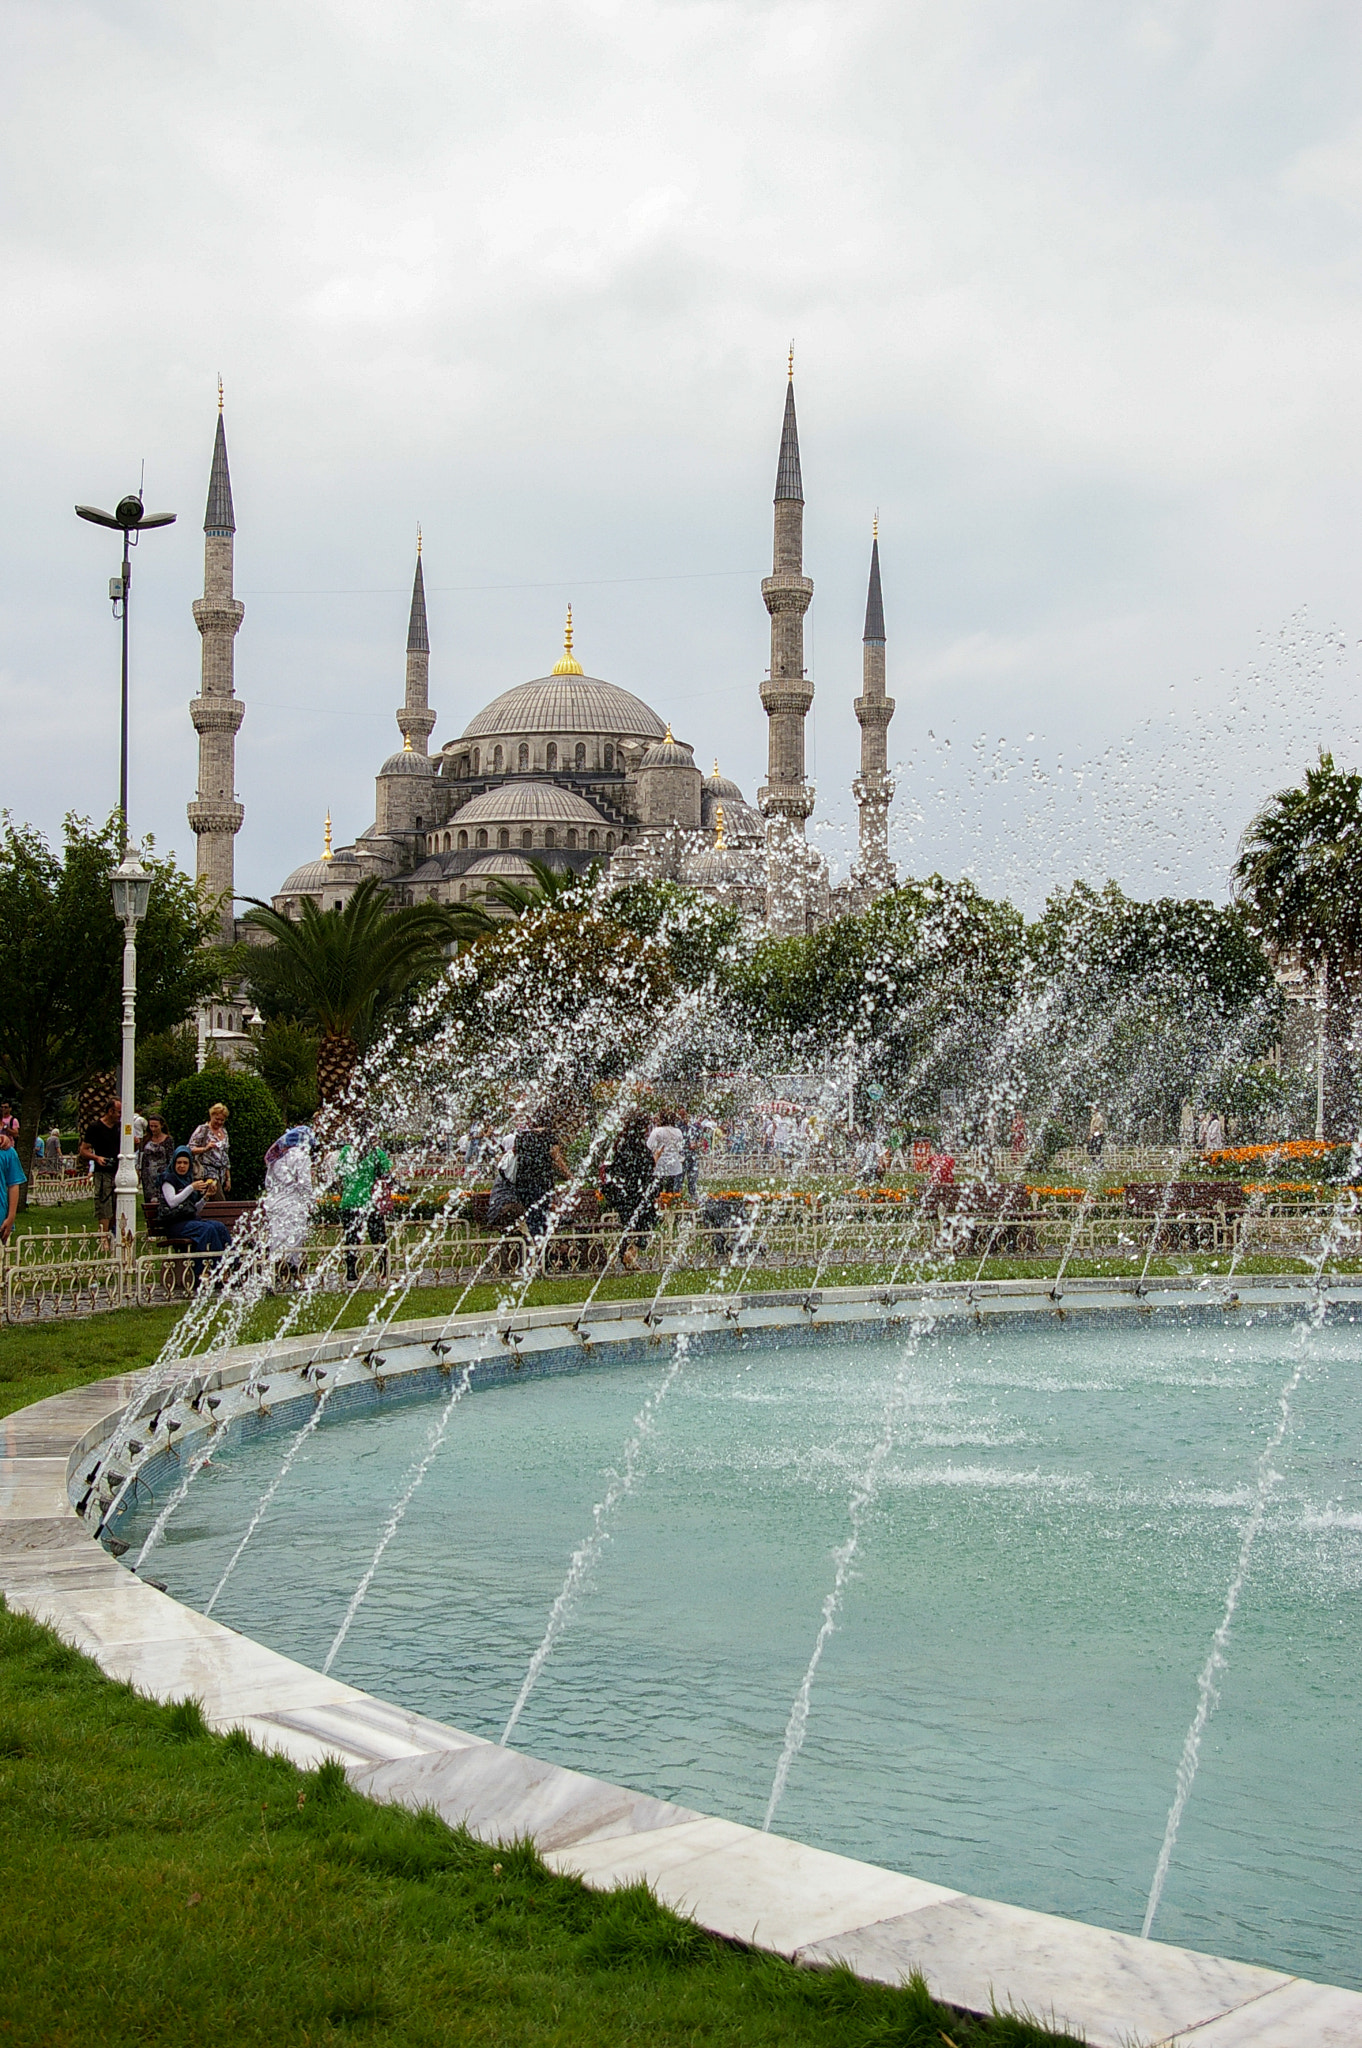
736, 1881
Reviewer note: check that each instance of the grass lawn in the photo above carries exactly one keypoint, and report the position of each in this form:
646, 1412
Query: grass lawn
165, 1885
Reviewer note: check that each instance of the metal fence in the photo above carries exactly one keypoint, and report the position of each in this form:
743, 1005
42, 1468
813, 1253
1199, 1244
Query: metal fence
740, 1242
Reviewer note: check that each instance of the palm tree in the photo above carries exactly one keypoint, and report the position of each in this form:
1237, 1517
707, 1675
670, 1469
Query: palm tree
1300, 871
549, 887
341, 970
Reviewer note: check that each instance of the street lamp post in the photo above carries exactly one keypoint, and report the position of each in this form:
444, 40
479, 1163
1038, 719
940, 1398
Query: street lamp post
130, 520
131, 885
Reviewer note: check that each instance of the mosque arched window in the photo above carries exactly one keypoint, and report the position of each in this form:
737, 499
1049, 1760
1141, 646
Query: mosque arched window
463, 892
551, 757
477, 760
610, 842
592, 842
579, 757
503, 837
526, 836
572, 836
550, 836
496, 760
523, 757
482, 836
463, 841
446, 842
609, 757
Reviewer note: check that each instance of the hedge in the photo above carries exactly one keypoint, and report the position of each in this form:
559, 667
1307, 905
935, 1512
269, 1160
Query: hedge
254, 1119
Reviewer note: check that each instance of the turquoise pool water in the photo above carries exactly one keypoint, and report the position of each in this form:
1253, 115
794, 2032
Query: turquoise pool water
1004, 1702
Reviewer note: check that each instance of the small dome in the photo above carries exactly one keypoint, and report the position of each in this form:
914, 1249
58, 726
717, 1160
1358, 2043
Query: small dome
566, 704
669, 753
723, 787
408, 762
526, 803
511, 867
342, 870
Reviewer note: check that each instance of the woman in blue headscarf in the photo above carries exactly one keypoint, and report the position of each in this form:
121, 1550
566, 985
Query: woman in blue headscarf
182, 1196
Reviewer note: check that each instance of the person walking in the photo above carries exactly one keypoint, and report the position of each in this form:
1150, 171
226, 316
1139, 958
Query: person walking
539, 1162
99, 1145
12, 1178
211, 1150
362, 1168
628, 1185
1097, 1134
9, 1121
182, 1195
668, 1147
1215, 1132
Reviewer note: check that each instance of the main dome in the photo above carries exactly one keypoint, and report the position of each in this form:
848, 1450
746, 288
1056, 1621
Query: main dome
567, 704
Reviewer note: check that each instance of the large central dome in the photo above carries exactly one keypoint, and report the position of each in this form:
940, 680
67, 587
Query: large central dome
566, 704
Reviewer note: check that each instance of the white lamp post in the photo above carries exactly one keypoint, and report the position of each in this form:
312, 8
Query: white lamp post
131, 885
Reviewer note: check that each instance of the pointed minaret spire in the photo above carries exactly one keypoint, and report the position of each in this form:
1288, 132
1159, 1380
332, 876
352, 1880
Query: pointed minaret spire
215, 814
786, 798
416, 720
874, 787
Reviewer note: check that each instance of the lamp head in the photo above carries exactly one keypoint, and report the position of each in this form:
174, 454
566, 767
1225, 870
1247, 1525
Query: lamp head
130, 885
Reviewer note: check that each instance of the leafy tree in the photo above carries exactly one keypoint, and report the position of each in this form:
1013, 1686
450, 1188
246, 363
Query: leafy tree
1299, 872
284, 1055
163, 1059
62, 1017
254, 1118
343, 972
704, 940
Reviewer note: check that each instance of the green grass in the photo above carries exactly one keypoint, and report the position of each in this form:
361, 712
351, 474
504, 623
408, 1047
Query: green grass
165, 1885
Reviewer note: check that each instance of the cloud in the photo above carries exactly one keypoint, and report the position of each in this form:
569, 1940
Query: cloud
1076, 304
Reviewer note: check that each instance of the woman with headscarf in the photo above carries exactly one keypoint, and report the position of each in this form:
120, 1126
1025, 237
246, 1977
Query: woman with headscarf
182, 1196
630, 1185
288, 1198
153, 1166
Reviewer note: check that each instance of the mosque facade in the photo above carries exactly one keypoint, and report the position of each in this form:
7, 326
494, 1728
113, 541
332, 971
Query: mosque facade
567, 768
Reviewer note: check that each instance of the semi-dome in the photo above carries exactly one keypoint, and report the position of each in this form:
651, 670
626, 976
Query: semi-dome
723, 787
566, 704
511, 867
524, 802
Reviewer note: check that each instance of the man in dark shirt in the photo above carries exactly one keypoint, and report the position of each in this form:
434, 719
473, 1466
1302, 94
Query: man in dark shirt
99, 1143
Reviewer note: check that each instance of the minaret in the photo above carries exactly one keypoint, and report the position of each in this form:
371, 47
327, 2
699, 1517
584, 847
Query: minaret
216, 712
786, 799
873, 788
416, 720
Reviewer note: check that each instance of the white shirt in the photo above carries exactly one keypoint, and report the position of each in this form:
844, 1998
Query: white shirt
668, 1148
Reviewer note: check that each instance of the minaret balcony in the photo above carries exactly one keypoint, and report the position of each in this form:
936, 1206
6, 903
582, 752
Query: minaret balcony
789, 694
785, 800
786, 593
216, 714
218, 615
215, 814
874, 710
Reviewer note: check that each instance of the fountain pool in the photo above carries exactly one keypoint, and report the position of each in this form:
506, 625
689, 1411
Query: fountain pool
1003, 1703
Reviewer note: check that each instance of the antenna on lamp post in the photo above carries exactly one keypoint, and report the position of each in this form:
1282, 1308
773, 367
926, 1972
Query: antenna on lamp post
129, 519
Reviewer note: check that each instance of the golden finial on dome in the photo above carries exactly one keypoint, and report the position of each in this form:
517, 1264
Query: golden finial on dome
407, 747
569, 665
716, 767
719, 840
326, 841
790, 364
219, 391
669, 733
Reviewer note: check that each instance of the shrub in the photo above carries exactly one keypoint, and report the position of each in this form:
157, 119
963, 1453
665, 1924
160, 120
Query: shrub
254, 1119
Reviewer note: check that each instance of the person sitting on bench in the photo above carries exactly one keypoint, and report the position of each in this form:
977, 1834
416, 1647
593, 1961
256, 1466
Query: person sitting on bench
182, 1196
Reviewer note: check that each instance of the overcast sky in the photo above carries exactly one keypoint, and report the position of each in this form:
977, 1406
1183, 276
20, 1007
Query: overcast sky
1076, 296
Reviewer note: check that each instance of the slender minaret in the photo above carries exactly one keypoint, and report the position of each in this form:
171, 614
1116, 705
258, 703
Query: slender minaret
416, 720
216, 712
873, 788
786, 799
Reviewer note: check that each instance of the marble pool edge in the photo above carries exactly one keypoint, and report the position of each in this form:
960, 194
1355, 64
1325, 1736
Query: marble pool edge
763, 1889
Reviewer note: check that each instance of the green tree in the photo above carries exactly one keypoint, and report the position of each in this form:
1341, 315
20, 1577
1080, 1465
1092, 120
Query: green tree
550, 886
163, 1059
1299, 872
343, 972
254, 1119
284, 1055
62, 1017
